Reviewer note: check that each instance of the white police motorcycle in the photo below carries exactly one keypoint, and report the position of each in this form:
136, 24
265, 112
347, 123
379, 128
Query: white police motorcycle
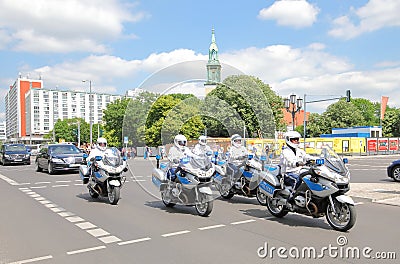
189, 184
103, 175
244, 182
324, 183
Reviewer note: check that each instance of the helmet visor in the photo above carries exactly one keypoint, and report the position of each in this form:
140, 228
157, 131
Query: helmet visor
294, 139
182, 142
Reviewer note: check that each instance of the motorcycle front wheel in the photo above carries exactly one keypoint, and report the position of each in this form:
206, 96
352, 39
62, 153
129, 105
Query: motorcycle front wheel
92, 193
225, 191
113, 195
204, 207
166, 198
345, 216
275, 209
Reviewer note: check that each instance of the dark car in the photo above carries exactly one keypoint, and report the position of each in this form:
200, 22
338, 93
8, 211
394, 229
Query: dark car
393, 170
59, 157
14, 154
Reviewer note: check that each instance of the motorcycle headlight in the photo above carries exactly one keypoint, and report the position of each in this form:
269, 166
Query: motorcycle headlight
341, 179
6, 156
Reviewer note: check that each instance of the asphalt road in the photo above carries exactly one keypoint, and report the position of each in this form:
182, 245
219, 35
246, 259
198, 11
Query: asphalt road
52, 219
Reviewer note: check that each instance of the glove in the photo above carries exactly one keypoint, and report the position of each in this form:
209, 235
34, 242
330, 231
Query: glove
299, 164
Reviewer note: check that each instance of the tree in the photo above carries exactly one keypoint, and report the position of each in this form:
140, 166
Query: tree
391, 123
369, 110
242, 101
114, 118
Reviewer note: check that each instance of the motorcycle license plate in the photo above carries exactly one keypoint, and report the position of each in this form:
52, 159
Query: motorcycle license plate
18, 160
74, 165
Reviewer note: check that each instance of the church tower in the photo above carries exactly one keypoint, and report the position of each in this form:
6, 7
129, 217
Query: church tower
213, 66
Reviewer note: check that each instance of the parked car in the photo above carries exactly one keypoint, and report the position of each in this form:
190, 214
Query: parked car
14, 154
393, 170
58, 157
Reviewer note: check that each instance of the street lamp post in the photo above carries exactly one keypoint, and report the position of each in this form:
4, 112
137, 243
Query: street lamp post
90, 110
293, 105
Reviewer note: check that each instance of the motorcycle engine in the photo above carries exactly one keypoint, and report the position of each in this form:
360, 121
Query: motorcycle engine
300, 201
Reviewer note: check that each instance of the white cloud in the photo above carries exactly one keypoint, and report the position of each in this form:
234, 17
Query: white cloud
310, 71
294, 13
63, 26
374, 15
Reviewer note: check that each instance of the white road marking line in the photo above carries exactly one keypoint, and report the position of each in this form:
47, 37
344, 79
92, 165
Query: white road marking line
38, 187
85, 250
40, 198
50, 205
78, 184
85, 225
44, 202
32, 260
42, 183
359, 203
109, 239
243, 222
24, 183
63, 181
210, 227
138, 180
58, 209
134, 241
74, 219
66, 214
24, 189
60, 185
176, 233
34, 195
97, 232
29, 193
11, 182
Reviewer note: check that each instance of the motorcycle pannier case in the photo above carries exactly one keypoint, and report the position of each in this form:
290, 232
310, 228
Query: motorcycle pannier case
84, 173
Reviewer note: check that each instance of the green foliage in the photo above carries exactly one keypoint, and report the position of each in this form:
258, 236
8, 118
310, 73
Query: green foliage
391, 123
114, 118
242, 101
369, 111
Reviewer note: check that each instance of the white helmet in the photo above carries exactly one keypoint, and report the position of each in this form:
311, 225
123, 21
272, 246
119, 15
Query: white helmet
292, 139
203, 140
180, 141
101, 144
236, 140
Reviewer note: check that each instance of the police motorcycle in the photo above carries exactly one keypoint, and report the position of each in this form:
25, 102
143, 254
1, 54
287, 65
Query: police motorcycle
245, 181
103, 175
324, 182
189, 184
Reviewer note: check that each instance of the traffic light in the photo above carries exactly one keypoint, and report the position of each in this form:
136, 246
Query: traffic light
348, 96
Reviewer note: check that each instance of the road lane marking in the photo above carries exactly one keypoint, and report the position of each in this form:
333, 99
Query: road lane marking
45, 202
8, 180
97, 232
63, 181
243, 222
74, 219
210, 227
38, 187
109, 239
85, 225
42, 183
50, 205
85, 250
66, 214
176, 233
134, 241
40, 198
60, 185
58, 209
32, 260
359, 203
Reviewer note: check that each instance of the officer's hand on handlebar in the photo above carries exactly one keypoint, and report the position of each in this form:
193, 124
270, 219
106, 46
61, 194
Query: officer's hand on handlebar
299, 164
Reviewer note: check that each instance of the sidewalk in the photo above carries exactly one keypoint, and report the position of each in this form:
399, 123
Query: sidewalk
384, 193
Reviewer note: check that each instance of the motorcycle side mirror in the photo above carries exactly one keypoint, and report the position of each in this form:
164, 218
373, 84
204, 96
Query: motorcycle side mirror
250, 156
345, 160
98, 158
158, 157
215, 153
320, 161
85, 156
124, 158
263, 158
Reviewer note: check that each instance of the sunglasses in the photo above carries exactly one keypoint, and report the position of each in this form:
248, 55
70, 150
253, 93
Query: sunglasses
294, 139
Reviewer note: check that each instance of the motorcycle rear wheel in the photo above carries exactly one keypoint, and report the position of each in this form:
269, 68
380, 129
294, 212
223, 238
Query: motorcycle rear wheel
113, 195
345, 218
166, 198
276, 210
225, 191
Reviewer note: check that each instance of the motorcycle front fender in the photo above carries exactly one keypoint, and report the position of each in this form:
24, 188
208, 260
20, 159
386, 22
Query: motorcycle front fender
345, 199
114, 183
206, 190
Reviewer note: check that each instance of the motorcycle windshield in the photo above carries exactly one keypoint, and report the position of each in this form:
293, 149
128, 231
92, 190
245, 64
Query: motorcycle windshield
201, 162
332, 160
112, 157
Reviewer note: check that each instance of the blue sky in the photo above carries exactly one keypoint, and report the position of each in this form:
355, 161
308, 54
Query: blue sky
319, 48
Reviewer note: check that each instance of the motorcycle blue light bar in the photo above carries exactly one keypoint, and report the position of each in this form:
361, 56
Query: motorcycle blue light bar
98, 158
319, 161
250, 156
345, 160
158, 157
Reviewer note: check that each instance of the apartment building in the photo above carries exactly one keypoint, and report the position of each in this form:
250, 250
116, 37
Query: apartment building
32, 111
